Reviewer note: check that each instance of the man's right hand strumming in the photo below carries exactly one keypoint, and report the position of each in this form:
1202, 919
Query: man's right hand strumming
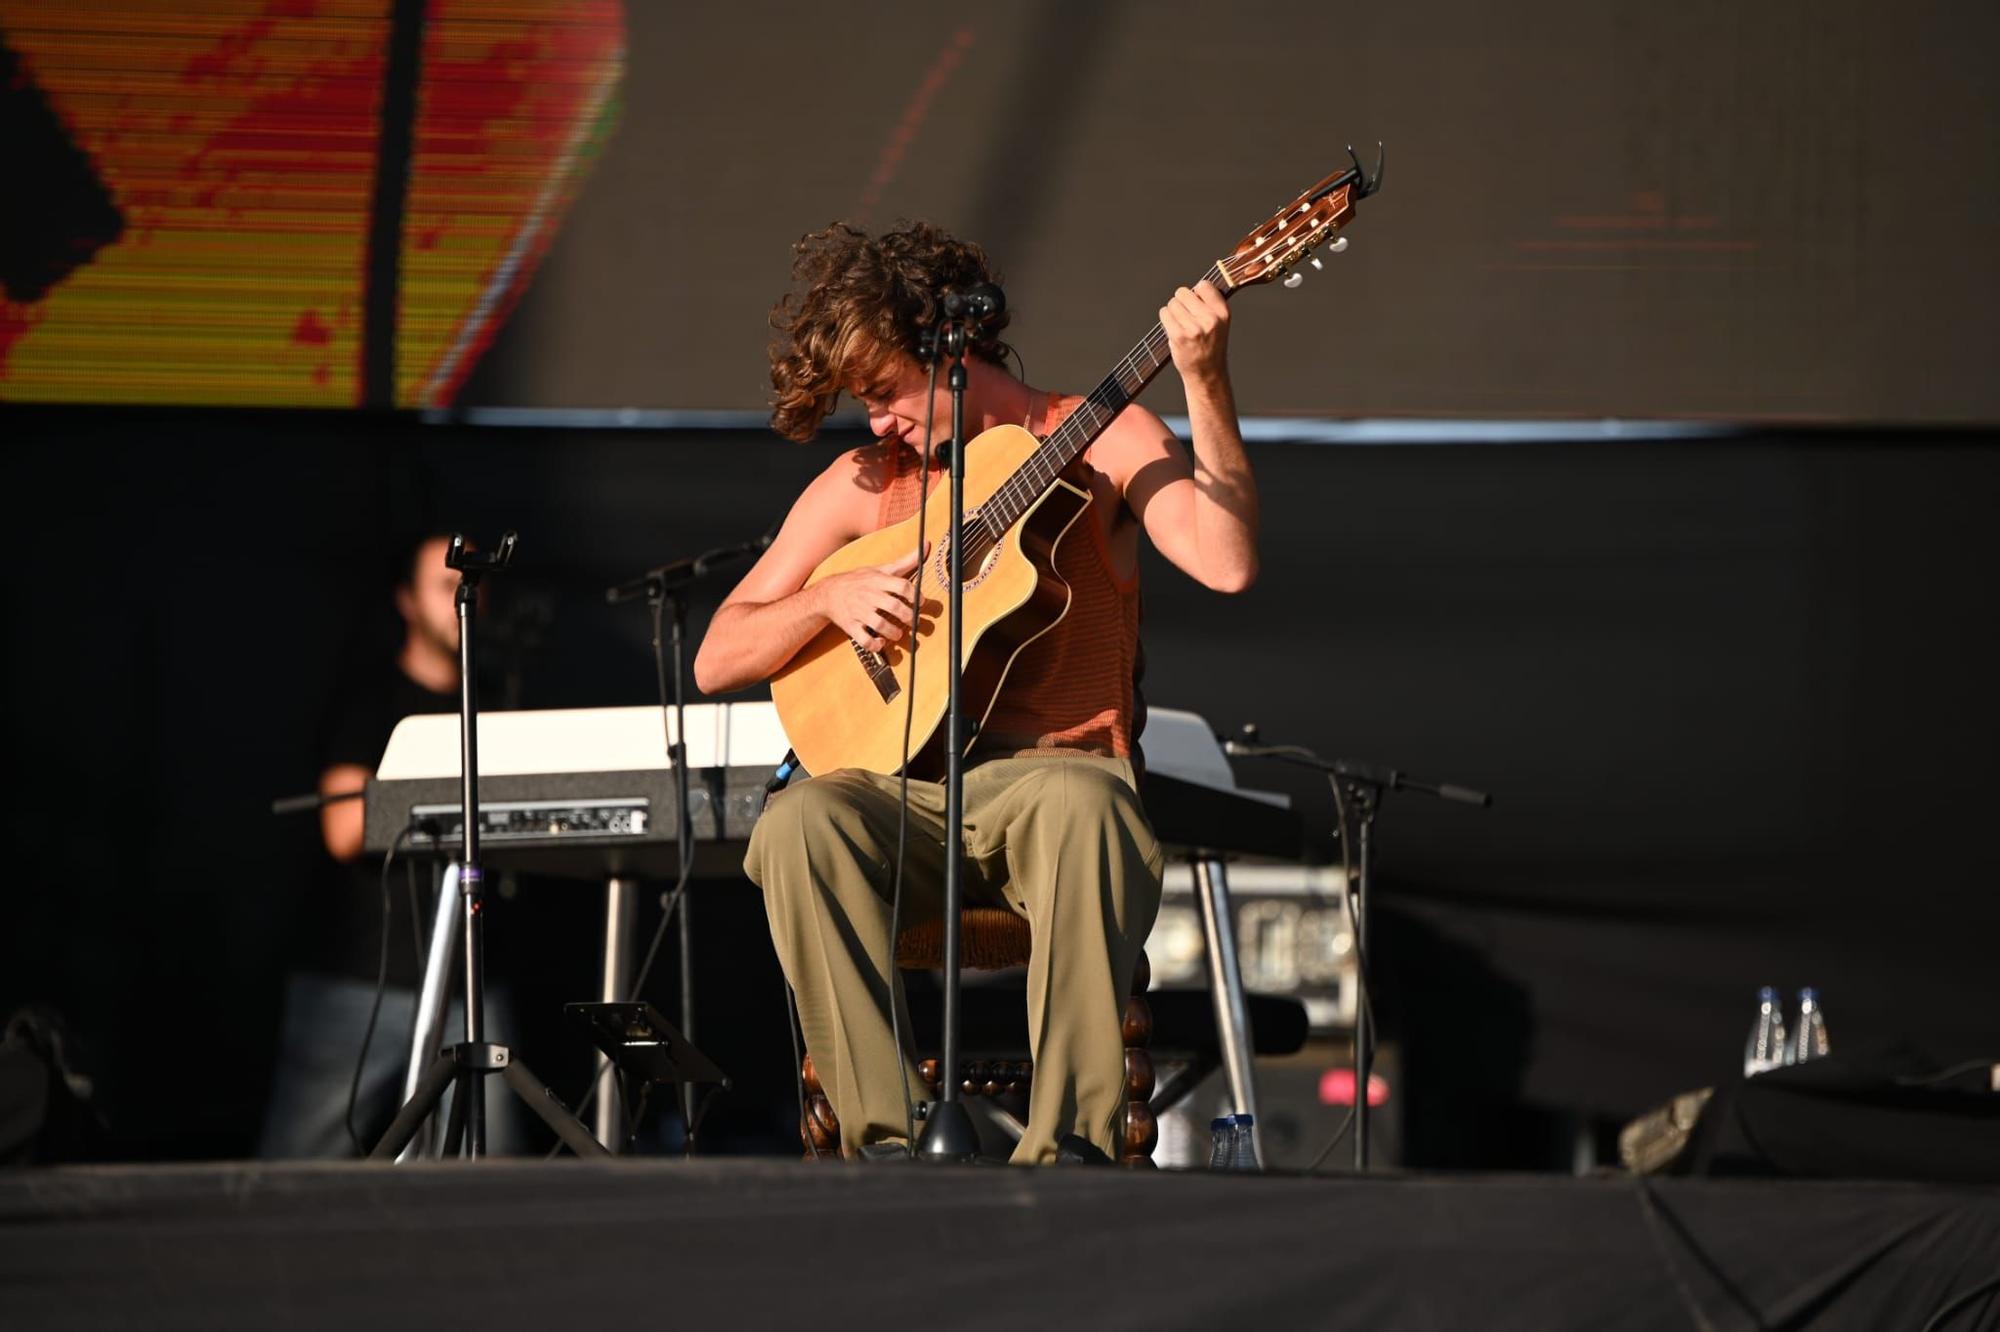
770, 616
872, 606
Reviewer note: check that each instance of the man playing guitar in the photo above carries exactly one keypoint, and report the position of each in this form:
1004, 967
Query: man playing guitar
1053, 829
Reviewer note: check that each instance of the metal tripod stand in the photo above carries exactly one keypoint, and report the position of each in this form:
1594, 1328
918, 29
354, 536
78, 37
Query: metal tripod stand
465, 1065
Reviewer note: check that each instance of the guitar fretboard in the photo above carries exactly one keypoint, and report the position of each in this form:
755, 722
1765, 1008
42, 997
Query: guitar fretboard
1097, 411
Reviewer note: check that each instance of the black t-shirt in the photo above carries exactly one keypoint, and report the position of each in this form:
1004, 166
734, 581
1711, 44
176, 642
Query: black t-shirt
343, 924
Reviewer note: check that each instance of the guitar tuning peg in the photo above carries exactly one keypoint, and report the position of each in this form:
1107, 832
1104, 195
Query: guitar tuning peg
1337, 246
1293, 281
1318, 267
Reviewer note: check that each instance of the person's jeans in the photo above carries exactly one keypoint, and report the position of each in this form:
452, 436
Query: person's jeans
319, 1041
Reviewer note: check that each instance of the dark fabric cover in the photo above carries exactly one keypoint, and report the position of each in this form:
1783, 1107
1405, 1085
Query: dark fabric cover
741, 1244
46, 1083
1884, 1116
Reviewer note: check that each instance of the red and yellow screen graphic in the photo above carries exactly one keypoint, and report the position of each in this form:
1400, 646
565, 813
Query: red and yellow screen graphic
187, 190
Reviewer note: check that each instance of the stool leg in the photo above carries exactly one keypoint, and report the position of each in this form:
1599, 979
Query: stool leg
1142, 1131
819, 1130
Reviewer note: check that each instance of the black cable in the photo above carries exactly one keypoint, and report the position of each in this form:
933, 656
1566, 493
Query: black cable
1346, 1123
375, 1008
638, 1117
668, 907
673, 704
418, 935
1365, 1005
417, 932
1937, 1320
700, 1113
683, 815
1947, 1074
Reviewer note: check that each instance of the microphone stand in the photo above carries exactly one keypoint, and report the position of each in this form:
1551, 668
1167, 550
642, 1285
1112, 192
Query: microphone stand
1358, 790
466, 1065
948, 1131
673, 696
662, 587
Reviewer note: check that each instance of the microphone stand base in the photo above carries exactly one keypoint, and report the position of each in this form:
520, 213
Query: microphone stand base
948, 1134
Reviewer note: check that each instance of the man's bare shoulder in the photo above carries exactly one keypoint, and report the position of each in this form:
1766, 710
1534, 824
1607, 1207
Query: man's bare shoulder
871, 467
846, 496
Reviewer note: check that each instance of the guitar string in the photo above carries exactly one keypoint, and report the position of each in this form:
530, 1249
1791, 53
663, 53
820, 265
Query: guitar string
1041, 469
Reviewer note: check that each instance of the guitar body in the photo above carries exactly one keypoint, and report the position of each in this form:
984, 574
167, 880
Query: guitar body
843, 708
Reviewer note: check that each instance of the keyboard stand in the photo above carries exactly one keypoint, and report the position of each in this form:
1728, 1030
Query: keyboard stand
427, 1035
621, 900
1225, 984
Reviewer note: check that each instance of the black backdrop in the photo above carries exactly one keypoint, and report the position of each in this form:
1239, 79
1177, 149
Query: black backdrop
1735, 700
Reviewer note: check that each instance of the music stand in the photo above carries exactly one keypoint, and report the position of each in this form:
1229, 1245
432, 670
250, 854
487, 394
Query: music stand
466, 1064
638, 1039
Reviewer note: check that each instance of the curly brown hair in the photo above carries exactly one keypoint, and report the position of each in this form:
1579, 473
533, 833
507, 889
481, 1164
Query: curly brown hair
857, 301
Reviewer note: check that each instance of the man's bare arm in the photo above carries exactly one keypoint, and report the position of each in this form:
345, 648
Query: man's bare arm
771, 614
1201, 512
340, 822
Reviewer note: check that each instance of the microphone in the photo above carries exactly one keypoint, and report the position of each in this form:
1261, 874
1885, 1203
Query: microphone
1249, 744
670, 577
976, 304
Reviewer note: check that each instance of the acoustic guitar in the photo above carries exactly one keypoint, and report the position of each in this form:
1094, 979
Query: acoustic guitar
844, 706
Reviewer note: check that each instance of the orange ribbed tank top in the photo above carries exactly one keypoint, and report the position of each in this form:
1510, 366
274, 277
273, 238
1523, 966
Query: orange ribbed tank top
1072, 688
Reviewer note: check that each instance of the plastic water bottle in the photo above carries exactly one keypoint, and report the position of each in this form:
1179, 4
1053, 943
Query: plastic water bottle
1235, 1143
1243, 1151
1809, 1033
1222, 1135
1766, 1047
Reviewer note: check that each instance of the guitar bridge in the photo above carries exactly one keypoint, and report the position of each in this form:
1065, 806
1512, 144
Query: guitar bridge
878, 671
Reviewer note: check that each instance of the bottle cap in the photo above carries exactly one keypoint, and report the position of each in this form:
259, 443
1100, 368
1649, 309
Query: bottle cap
1220, 1123
1808, 995
1768, 995
1245, 1121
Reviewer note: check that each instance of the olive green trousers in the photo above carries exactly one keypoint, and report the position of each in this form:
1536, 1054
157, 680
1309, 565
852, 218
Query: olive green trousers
1060, 840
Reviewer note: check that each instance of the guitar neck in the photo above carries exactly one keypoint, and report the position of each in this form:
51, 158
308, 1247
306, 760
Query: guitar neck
1081, 428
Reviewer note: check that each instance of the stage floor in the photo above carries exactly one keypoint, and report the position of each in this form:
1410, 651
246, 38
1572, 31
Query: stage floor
732, 1243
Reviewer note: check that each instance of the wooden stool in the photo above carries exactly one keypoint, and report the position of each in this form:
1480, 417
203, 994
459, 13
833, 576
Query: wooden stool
992, 939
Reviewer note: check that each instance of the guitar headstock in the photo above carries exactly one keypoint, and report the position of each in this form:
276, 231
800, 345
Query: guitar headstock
1299, 228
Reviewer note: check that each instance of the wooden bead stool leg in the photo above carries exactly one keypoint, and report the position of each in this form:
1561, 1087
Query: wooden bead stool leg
819, 1131
1142, 1132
